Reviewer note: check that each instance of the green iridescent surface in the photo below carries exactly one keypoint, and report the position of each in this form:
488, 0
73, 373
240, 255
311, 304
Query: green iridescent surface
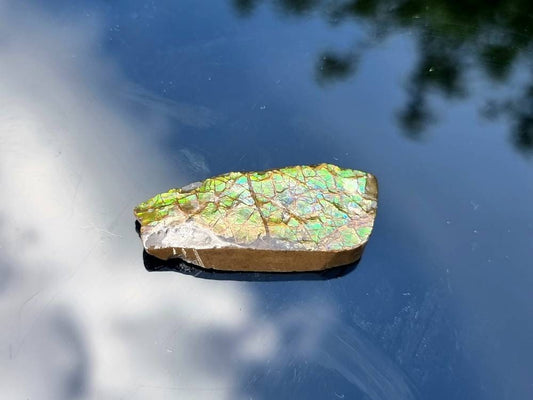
320, 207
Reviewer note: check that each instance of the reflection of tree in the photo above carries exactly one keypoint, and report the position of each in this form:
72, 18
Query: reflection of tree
452, 36
333, 67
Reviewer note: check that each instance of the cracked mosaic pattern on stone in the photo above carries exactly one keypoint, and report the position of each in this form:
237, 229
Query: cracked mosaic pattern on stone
312, 208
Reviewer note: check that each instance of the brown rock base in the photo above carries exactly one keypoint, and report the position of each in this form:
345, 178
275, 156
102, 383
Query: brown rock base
248, 260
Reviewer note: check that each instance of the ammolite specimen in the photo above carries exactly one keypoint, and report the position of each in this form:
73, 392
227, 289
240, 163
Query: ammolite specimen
301, 218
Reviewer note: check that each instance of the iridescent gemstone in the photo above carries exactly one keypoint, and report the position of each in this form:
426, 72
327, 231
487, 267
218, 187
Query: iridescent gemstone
299, 218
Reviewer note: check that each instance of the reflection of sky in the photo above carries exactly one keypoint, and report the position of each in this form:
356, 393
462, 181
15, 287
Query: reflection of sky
107, 104
80, 316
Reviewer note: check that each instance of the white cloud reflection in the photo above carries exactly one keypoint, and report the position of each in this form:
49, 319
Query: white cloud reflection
81, 318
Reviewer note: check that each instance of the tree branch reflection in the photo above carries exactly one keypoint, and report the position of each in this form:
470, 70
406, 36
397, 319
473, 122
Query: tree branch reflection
452, 39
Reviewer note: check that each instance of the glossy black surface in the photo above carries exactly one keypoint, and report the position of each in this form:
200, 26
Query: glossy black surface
103, 104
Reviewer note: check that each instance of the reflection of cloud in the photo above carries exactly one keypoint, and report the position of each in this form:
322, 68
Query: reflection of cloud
57, 351
195, 116
362, 364
196, 162
343, 350
80, 316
